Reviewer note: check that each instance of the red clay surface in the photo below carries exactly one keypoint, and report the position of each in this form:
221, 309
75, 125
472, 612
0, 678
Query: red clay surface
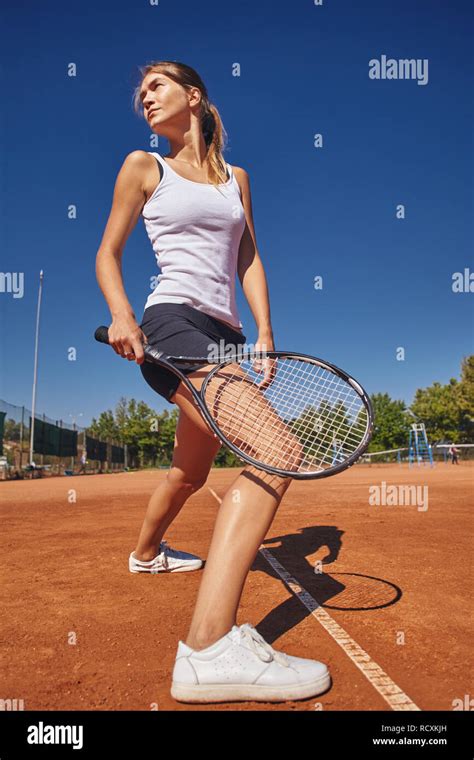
394, 574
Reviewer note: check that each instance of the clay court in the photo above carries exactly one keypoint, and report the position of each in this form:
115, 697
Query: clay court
389, 614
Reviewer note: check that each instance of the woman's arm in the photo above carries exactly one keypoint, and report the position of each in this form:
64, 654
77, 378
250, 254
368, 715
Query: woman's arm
250, 268
129, 197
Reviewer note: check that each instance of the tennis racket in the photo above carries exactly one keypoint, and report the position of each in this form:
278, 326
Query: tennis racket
289, 414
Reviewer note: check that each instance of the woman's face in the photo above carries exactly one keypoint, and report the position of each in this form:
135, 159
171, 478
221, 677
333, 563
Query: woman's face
165, 102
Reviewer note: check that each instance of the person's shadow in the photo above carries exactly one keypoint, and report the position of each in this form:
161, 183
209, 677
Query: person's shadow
285, 558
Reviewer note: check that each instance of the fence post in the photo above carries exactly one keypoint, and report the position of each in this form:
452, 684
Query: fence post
42, 455
72, 458
21, 435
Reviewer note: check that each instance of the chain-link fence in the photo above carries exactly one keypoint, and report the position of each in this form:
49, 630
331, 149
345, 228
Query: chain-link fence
59, 448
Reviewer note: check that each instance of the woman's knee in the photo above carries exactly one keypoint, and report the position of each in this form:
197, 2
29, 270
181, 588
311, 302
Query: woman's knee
180, 481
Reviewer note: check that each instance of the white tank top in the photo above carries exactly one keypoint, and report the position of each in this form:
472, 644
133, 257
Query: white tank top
195, 230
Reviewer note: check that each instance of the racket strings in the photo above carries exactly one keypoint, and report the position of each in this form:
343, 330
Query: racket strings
331, 387
305, 419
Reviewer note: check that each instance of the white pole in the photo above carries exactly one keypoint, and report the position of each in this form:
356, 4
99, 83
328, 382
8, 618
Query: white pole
35, 371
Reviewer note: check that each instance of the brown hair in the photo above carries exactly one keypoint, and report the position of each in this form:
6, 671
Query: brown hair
212, 127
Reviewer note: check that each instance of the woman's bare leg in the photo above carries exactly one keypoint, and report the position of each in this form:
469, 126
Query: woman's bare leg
194, 451
245, 515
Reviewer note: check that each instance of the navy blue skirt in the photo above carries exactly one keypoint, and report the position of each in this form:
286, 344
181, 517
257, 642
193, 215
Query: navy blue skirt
181, 330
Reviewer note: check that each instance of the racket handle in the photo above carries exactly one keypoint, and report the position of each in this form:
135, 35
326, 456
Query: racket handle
102, 334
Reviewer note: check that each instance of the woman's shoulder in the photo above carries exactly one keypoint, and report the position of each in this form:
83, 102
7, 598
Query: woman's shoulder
145, 166
243, 181
139, 158
239, 172
140, 163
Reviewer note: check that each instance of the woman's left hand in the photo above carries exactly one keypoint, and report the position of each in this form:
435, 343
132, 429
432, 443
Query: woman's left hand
267, 365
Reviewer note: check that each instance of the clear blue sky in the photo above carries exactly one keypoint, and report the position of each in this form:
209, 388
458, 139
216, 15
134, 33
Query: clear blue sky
328, 212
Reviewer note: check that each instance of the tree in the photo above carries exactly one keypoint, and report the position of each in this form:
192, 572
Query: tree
438, 407
448, 410
465, 394
140, 429
104, 428
391, 424
149, 436
11, 430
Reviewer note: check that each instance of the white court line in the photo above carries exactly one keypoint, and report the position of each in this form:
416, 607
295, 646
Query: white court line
215, 495
388, 689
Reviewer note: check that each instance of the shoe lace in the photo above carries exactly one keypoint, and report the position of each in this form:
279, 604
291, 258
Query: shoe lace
260, 647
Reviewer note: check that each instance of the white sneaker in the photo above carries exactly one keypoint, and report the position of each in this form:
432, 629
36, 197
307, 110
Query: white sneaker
167, 561
242, 666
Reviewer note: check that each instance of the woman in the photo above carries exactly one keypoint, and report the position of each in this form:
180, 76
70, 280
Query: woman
198, 214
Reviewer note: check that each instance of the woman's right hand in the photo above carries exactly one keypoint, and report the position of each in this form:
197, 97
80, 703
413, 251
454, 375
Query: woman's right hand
126, 338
